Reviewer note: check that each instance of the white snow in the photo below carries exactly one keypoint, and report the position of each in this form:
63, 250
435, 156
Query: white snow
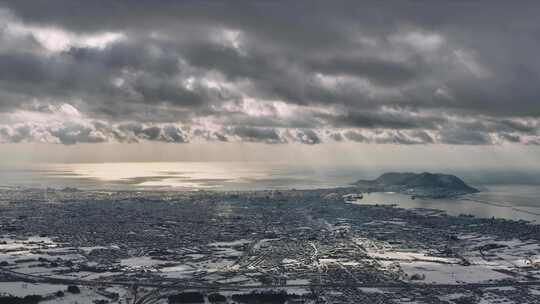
20, 289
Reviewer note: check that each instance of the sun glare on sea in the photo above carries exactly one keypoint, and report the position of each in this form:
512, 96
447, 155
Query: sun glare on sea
162, 174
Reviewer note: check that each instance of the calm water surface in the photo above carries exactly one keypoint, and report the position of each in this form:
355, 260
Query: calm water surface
517, 202
177, 176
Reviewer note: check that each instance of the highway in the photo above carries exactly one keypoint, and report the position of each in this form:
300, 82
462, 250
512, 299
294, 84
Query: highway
391, 285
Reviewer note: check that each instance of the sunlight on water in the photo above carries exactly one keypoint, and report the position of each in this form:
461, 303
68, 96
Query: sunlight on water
177, 175
123, 171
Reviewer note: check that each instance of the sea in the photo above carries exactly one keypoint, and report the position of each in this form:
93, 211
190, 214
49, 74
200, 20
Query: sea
505, 194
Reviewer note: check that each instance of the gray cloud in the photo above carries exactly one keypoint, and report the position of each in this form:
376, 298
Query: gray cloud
510, 137
255, 134
73, 133
337, 137
382, 119
308, 137
210, 135
381, 71
398, 137
133, 132
464, 136
274, 72
534, 142
355, 136
17, 134
390, 137
82, 131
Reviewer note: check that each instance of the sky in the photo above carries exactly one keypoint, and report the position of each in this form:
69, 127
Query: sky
246, 80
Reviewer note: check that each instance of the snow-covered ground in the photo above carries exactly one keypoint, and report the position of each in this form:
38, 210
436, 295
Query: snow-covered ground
21, 289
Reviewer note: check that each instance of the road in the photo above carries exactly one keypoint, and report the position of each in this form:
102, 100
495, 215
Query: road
41, 279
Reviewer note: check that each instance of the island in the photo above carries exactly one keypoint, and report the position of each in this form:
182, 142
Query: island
430, 185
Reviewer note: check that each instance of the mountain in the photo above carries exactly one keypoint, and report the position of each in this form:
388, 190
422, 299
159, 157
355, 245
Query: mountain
433, 185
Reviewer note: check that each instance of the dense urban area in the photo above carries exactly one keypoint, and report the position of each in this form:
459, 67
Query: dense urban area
293, 246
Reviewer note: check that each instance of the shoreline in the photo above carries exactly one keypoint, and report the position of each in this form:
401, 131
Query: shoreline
445, 203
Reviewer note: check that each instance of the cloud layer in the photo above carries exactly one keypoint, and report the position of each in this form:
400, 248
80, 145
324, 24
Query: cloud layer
273, 72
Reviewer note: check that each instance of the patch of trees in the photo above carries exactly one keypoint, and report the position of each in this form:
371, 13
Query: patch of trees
263, 298
216, 298
73, 289
186, 297
466, 300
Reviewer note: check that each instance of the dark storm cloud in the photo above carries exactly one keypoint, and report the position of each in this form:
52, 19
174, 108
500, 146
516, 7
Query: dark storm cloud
380, 71
385, 119
404, 72
132, 55
145, 75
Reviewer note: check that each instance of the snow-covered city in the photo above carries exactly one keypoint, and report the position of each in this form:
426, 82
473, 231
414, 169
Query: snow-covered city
70, 246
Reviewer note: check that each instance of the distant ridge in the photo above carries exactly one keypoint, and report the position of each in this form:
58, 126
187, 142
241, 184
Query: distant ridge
434, 185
